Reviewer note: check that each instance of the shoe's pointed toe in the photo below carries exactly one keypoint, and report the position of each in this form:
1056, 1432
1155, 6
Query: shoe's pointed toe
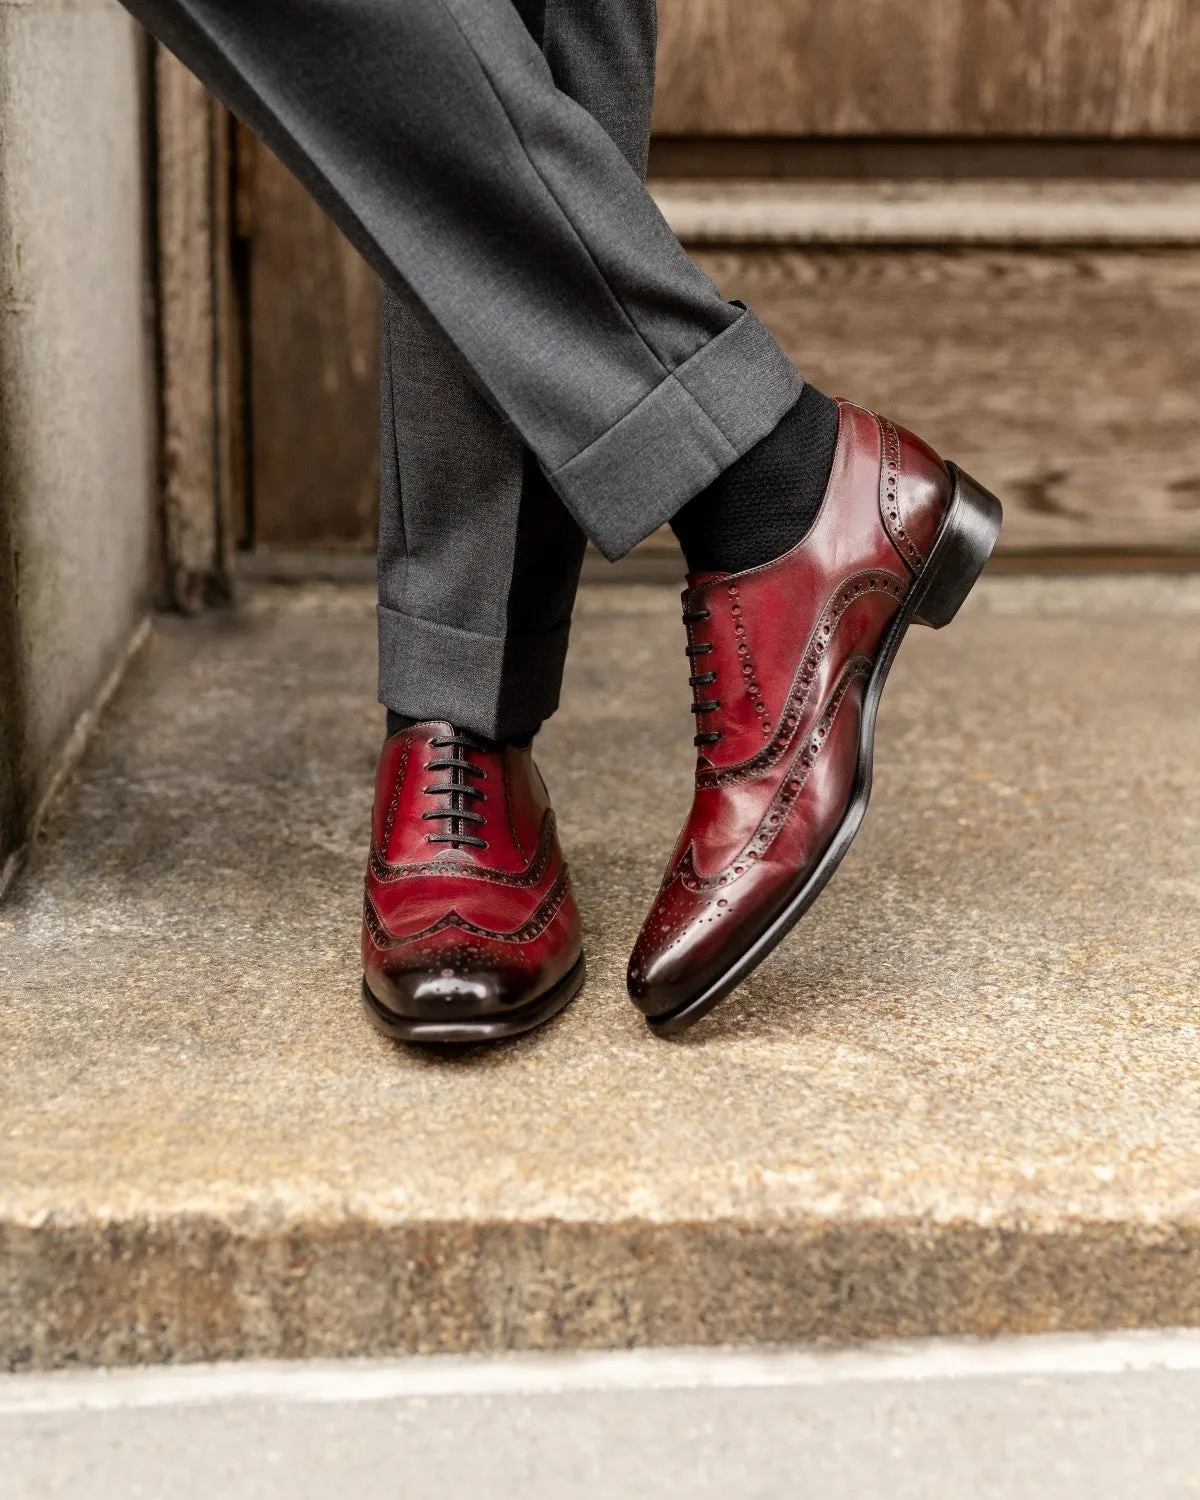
658, 983
685, 943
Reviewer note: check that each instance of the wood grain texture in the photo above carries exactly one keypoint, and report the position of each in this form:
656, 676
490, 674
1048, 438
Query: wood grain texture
884, 158
314, 353
187, 334
1089, 68
1068, 382
228, 350
993, 212
229, 376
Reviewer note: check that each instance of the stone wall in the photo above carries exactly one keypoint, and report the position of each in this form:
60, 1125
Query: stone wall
77, 410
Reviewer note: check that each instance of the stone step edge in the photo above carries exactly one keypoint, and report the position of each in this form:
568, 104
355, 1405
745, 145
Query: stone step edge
981, 213
197, 1287
561, 1372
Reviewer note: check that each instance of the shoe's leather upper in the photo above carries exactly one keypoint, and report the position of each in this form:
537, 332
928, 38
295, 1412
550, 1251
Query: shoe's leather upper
781, 658
469, 916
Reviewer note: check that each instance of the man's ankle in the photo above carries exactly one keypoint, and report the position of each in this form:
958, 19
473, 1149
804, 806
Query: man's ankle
765, 502
397, 723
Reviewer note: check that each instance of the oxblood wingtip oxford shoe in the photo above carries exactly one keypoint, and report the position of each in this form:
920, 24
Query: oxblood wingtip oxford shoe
788, 664
470, 929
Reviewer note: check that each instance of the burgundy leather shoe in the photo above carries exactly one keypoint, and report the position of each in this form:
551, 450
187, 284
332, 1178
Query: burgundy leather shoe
789, 662
470, 929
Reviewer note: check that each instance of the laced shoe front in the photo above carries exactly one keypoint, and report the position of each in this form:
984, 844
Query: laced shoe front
788, 664
470, 929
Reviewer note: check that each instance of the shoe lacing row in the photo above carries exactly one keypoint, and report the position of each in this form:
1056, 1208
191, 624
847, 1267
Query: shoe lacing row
701, 679
458, 814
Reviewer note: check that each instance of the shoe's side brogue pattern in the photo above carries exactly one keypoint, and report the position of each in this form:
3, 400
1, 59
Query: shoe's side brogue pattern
795, 777
788, 662
470, 928
889, 496
872, 581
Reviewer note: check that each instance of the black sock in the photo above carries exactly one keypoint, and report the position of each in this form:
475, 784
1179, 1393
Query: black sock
763, 504
396, 722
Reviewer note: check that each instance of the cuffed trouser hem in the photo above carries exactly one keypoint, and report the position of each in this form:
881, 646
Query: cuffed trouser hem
497, 686
678, 439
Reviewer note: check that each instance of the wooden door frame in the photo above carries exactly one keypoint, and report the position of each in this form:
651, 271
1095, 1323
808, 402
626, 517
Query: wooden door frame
201, 344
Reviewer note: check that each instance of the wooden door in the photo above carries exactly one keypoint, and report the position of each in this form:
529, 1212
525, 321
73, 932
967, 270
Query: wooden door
1065, 370
314, 371
869, 68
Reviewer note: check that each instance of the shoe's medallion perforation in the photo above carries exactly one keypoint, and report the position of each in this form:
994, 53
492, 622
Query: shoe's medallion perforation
889, 496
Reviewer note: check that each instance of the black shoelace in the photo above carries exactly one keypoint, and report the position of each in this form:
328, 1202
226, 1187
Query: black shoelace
701, 679
458, 813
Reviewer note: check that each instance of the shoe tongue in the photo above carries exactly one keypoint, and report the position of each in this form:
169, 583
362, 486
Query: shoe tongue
702, 580
442, 729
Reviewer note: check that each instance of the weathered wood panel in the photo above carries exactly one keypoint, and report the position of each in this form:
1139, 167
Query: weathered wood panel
202, 437
232, 463
914, 67
187, 334
1067, 381
314, 355
941, 214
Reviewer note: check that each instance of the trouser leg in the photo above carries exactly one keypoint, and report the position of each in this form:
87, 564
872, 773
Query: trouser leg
479, 559
433, 134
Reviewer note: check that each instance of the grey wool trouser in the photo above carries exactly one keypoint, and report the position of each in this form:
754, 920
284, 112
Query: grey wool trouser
555, 367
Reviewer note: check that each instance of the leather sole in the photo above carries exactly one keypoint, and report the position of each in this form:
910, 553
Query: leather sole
486, 1029
956, 560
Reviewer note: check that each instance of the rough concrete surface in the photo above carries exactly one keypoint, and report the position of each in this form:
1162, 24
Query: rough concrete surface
963, 1097
77, 443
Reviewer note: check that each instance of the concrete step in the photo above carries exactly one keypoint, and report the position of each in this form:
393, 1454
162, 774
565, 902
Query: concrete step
962, 1098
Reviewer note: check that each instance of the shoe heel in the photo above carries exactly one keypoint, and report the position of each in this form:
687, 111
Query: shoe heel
963, 547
